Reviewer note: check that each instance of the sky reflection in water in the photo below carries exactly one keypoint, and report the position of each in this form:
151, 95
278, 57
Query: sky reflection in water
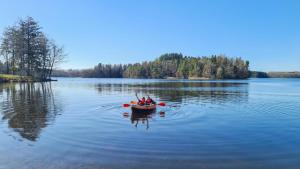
80, 123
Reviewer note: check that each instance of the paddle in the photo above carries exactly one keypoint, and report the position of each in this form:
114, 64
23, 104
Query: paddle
137, 96
162, 104
133, 102
126, 105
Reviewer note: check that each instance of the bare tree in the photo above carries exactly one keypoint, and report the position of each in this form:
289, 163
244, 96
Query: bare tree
56, 57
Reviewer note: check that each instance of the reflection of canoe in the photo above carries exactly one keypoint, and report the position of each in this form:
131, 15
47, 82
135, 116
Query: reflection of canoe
145, 108
141, 116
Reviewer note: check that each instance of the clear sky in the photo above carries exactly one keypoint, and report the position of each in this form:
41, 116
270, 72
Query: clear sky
265, 32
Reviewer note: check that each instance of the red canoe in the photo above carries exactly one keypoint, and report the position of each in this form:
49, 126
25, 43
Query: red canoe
144, 108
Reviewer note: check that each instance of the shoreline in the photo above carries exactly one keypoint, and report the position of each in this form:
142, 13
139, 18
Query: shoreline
25, 81
7, 78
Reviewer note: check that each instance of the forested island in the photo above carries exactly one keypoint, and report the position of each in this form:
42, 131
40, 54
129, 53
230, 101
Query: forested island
27, 54
177, 66
170, 65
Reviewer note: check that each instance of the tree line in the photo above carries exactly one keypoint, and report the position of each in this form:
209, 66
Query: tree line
170, 65
26, 51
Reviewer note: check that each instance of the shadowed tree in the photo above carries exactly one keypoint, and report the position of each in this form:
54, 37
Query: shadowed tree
26, 50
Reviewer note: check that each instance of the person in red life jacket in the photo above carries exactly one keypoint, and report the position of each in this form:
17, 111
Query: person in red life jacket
149, 101
142, 101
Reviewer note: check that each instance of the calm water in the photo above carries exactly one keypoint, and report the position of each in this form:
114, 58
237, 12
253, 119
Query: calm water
80, 123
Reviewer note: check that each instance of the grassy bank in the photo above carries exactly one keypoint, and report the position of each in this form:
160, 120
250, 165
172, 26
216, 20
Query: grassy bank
15, 78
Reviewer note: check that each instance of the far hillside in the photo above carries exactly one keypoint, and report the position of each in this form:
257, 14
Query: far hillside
284, 74
256, 74
170, 65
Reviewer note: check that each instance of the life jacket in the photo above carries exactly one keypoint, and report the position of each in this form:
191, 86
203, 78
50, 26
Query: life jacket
149, 101
141, 102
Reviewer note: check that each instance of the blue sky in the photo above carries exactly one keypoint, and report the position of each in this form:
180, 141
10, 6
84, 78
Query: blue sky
265, 32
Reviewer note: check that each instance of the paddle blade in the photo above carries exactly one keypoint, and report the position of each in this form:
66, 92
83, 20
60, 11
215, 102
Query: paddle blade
125, 114
162, 104
133, 102
126, 105
162, 114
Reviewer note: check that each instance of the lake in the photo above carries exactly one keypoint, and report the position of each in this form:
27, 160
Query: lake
81, 123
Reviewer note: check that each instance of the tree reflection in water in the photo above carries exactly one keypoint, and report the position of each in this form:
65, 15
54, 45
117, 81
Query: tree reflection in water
28, 107
177, 91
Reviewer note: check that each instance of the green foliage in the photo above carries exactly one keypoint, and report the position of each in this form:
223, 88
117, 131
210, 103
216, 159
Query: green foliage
171, 65
257, 74
220, 73
175, 65
170, 57
26, 50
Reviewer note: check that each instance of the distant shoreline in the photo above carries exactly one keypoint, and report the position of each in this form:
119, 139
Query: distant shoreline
258, 74
171, 78
7, 78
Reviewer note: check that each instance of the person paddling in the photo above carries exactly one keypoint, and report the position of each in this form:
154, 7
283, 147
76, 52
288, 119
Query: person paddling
149, 101
141, 101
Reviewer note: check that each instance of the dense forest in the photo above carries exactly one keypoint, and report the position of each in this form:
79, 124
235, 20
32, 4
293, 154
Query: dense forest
26, 51
170, 65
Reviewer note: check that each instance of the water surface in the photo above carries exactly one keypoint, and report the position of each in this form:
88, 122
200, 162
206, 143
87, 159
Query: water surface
80, 123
